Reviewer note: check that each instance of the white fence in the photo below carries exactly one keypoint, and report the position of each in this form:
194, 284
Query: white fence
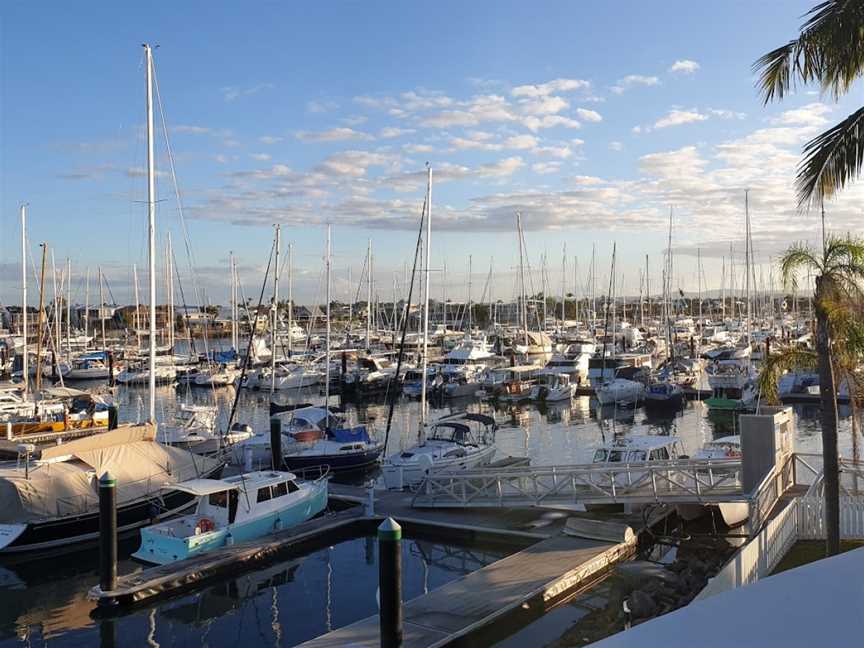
802, 519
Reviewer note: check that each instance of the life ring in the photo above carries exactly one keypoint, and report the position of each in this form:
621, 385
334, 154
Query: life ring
205, 525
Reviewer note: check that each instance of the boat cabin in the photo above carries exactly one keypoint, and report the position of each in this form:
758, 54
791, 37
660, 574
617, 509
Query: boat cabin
639, 449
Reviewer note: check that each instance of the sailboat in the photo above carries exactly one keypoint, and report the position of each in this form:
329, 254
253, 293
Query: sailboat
49, 501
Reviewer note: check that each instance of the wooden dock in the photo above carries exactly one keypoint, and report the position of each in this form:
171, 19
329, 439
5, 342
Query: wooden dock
537, 576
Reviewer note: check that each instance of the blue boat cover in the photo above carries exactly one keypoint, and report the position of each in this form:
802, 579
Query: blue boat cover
224, 356
350, 435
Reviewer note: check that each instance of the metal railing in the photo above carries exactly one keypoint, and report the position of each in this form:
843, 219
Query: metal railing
704, 481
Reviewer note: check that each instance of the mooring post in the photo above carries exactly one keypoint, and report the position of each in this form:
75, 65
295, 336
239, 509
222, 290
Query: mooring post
110, 368
276, 442
8, 430
108, 633
112, 417
107, 532
390, 582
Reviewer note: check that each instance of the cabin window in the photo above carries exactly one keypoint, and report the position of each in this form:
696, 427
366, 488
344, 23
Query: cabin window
637, 455
662, 454
219, 499
280, 489
263, 494
600, 456
292, 487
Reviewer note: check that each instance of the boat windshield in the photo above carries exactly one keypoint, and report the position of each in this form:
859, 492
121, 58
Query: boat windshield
450, 431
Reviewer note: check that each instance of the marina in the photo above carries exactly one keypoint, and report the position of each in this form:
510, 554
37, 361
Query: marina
371, 350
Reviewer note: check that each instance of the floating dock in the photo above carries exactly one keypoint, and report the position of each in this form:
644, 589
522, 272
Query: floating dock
538, 576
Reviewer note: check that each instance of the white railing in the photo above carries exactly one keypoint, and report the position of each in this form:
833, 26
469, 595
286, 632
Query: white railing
802, 519
667, 481
759, 556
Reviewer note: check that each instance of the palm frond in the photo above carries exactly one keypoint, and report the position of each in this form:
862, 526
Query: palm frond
797, 257
831, 160
775, 366
828, 50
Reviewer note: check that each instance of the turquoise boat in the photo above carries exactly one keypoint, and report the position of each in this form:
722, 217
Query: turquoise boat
231, 510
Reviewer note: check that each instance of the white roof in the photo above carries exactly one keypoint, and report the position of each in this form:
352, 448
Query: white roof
734, 439
814, 605
201, 487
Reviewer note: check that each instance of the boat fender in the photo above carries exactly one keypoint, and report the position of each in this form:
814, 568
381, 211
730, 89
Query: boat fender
425, 462
229, 540
204, 525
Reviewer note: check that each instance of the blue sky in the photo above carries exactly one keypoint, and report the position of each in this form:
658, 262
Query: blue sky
592, 118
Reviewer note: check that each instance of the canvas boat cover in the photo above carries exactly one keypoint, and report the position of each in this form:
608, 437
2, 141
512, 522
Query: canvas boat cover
65, 481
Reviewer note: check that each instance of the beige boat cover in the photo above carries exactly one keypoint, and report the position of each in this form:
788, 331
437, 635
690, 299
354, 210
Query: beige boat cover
61, 488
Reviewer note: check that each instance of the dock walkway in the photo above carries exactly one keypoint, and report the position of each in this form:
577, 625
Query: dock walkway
534, 576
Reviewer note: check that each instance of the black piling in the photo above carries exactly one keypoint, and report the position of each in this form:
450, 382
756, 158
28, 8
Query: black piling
276, 442
113, 417
110, 369
108, 633
390, 582
54, 366
107, 533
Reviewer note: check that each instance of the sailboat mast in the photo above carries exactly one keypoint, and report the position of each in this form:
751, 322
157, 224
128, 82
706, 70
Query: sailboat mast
24, 297
151, 232
523, 314
137, 306
56, 342
563, 283
233, 302
470, 318
68, 307
101, 305
170, 294
327, 336
87, 308
368, 293
275, 318
747, 259
291, 299
426, 296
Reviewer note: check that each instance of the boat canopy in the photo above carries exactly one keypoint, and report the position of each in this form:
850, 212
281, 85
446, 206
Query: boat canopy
202, 487
350, 435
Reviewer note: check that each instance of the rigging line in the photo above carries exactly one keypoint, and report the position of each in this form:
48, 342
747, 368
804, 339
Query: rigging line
251, 339
186, 240
405, 322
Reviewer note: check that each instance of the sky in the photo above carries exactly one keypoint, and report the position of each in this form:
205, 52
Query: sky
590, 118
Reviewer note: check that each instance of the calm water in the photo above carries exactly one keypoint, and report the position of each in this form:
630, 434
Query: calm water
45, 602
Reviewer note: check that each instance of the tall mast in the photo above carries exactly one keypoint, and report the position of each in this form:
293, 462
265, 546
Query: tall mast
426, 296
101, 305
87, 308
151, 232
563, 283
470, 318
44, 247
647, 287
170, 294
24, 297
327, 337
291, 299
593, 283
368, 293
275, 319
233, 301
137, 305
56, 343
523, 312
699, 282
68, 307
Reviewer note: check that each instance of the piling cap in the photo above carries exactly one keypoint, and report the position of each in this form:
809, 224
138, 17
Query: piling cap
389, 530
107, 481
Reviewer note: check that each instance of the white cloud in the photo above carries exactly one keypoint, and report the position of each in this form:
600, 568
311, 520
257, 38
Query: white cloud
549, 105
419, 148
260, 156
191, 130
684, 66
810, 115
679, 117
230, 93
521, 142
391, 132
633, 80
450, 118
562, 152
545, 168
501, 168
589, 115
338, 134
269, 139
354, 163
722, 113
556, 85
534, 124
616, 146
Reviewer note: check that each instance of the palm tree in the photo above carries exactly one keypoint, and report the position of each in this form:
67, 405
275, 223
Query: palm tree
839, 271
829, 51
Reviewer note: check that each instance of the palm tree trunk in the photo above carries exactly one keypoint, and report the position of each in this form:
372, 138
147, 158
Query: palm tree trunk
828, 397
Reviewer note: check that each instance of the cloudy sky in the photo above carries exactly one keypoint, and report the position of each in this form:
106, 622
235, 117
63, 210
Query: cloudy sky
591, 118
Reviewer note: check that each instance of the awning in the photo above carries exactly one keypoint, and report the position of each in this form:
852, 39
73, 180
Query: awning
200, 487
